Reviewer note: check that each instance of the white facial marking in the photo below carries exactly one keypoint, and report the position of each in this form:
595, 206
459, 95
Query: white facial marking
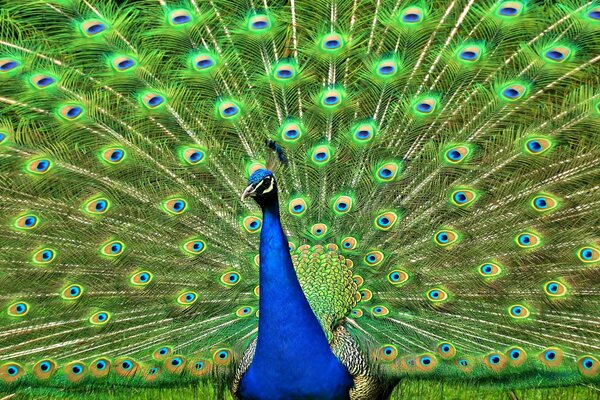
269, 188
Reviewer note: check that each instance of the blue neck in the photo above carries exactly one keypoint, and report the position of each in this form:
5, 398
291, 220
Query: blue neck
293, 359
286, 320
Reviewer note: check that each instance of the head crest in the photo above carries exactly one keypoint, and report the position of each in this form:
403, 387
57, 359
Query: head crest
276, 155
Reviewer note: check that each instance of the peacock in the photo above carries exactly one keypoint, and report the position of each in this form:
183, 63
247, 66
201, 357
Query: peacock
295, 199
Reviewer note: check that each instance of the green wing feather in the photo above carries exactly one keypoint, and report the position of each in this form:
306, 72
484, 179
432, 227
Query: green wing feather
449, 149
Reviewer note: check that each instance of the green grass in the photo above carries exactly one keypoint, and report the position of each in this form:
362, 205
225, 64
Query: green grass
407, 389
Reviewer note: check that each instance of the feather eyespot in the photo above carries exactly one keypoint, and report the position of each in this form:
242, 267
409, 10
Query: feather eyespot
437, 295
321, 155
332, 43
331, 98
27, 221
100, 318
528, 240
342, 204
544, 203
489, 270
456, 154
425, 106
588, 366
153, 100
112, 249
11, 372
42, 81
446, 237
363, 132
513, 92
470, 53
114, 155
100, 367
426, 362
187, 298
319, 230
356, 313
39, 166
162, 353
44, 256
594, 14
551, 357
97, 206
141, 278
463, 197
252, 224
349, 243
199, 367
365, 295
388, 352
411, 15
518, 311
588, 254
194, 246
386, 220
44, 369
358, 280
446, 350
75, 371
175, 206
386, 68
71, 112
243, 312
380, 311
8, 64
193, 155
387, 172
222, 356
537, 145
495, 361
516, 356
72, 292
93, 27
3, 137
231, 278
397, 277
123, 63
175, 364
292, 130
18, 309
557, 54
126, 367
228, 109
555, 289
510, 9
204, 62
374, 258
285, 71
259, 23
297, 206
180, 17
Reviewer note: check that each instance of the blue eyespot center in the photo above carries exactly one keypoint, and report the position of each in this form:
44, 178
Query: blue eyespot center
96, 28
178, 205
45, 366
387, 351
524, 239
594, 14
386, 173
511, 93
333, 44
125, 64
515, 354
42, 165
100, 365
445, 348
116, 155
494, 359
77, 369
347, 244
46, 255
435, 294
509, 11
463, 363
7, 66
553, 288
181, 19
155, 101
102, 317
199, 365
318, 231
331, 100
425, 360
284, 73
587, 363
197, 246
74, 291
222, 355
74, 112
517, 310
204, 63
387, 69
43, 82
20, 308
384, 221
127, 365
460, 197
586, 254
534, 146
30, 221
443, 237
115, 248
292, 133
550, 355
100, 205
342, 206
231, 110
189, 297
176, 361
555, 55
411, 17
363, 134
454, 155
260, 24
254, 224
468, 55
320, 156
424, 107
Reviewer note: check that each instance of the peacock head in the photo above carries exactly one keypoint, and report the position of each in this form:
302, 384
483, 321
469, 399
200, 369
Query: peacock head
261, 186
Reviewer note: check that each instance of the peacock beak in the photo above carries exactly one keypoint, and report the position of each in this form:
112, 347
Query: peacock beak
249, 192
